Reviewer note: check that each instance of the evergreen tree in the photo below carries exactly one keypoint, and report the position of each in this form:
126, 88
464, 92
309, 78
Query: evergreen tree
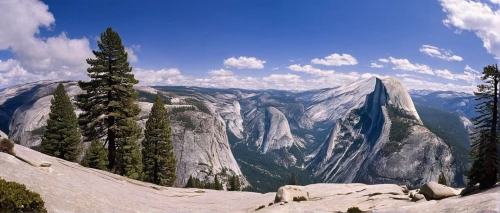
484, 138
217, 183
109, 111
294, 180
442, 179
61, 138
96, 156
234, 183
157, 147
189, 183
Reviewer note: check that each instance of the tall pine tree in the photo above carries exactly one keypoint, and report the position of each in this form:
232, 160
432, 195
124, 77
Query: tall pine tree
61, 138
109, 111
96, 156
158, 150
484, 138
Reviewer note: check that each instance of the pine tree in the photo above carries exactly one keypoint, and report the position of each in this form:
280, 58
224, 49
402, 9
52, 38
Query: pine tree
189, 183
217, 183
294, 180
157, 147
61, 138
109, 111
442, 179
234, 183
484, 138
96, 156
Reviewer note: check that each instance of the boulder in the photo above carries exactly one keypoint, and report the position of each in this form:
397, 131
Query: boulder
288, 192
436, 191
417, 197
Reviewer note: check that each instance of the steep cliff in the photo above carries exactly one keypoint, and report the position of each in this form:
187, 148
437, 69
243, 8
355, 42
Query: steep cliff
202, 150
381, 139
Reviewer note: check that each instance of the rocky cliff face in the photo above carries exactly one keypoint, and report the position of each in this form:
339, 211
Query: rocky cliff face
202, 151
368, 131
381, 139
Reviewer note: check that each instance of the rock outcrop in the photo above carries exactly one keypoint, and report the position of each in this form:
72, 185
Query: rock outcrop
69, 187
271, 128
380, 138
435, 191
202, 151
291, 193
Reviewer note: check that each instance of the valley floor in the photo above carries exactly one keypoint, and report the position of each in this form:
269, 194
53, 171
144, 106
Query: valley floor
69, 187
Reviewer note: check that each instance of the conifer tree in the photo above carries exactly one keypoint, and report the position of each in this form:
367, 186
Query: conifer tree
61, 138
157, 147
190, 183
217, 183
109, 111
294, 180
234, 183
442, 179
96, 156
484, 139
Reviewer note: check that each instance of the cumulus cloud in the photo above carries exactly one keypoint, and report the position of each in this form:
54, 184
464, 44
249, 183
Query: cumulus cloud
336, 60
311, 70
477, 16
435, 52
375, 65
384, 60
406, 65
59, 56
132, 57
158, 77
221, 72
244, 63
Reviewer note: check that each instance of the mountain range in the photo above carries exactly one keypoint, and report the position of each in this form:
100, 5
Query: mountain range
370, 131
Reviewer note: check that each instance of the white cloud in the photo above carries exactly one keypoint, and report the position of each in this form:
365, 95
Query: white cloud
336, 60
406, 65
412, 83
384, 60
375, 65
60, 57
435, 52
469, 69
478, 17
466, 76
159, 77
221, 72
276, 68
311, 70
132, 57
244, 62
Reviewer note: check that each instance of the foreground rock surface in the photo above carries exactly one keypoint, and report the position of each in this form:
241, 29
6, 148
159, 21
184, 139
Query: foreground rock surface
436, 191
69, 187
288, 193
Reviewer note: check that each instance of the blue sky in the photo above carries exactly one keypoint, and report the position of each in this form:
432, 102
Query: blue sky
296, 45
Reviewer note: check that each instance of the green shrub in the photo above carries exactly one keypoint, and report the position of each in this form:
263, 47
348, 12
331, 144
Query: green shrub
299, 198
354, 209
14, 197
270, 204
175, 110
7, 146
261, 207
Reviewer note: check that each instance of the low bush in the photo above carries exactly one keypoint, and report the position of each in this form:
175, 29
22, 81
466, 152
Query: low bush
7, 146
14, 197
299, 198
261, 207
354, 209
